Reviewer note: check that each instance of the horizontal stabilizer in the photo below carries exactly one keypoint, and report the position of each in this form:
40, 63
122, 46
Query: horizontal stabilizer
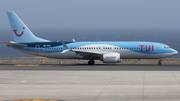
15, 44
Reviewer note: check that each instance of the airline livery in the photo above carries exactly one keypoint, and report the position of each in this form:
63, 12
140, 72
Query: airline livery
106, 51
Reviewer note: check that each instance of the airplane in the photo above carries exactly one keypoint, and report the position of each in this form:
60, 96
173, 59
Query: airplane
106, 51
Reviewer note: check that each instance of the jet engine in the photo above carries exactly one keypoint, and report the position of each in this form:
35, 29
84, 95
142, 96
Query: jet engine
111, 58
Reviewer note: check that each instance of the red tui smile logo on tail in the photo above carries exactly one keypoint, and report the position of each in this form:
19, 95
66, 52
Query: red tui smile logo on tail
19, 34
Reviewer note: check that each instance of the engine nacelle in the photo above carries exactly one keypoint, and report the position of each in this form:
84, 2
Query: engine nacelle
111, 58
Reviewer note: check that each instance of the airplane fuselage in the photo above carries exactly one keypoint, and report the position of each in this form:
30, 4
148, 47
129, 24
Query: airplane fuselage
106, 51
126, 49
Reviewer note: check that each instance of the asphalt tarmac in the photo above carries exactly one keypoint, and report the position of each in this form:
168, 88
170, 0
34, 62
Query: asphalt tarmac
81, 82
100, 67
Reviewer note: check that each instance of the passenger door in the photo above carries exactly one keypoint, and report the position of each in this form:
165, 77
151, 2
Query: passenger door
37, 48
157, 49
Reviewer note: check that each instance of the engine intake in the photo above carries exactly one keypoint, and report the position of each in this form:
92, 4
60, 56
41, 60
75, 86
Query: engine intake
111, 58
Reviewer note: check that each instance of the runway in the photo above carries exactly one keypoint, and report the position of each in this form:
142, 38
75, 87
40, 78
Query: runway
100, 67
110, 82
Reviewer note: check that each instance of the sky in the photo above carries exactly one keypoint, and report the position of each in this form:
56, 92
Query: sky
93, 13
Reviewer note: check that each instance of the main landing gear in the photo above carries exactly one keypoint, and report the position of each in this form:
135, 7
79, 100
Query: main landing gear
91, 62
159, 63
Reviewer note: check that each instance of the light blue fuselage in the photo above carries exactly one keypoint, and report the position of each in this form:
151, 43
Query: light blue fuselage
127, 49
107, 51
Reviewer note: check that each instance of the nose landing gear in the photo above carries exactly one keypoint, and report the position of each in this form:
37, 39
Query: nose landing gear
159, 63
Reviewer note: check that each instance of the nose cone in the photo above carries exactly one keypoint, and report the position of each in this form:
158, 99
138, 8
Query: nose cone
174, 52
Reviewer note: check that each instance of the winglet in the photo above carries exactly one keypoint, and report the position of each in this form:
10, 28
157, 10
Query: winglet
64, 47
73, 40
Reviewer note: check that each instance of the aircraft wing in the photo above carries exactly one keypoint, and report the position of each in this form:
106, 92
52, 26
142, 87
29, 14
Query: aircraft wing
79, 51
86, 52
15, 44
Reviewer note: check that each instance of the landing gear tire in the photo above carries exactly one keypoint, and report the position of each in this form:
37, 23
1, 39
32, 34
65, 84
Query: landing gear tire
91, 62
159, 63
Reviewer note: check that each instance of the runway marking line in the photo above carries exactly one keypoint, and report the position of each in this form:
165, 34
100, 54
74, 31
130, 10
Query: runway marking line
33, 100
25, 65
8, 73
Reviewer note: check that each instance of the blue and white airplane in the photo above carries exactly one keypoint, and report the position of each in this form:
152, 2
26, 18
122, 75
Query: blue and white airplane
108, 52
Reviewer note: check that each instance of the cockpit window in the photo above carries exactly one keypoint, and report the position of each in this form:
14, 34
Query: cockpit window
166, 47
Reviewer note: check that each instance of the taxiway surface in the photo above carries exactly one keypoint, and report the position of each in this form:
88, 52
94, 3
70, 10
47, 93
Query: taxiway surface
99, 67
90, 83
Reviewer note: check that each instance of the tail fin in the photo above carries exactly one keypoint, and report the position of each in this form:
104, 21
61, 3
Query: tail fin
20, 31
